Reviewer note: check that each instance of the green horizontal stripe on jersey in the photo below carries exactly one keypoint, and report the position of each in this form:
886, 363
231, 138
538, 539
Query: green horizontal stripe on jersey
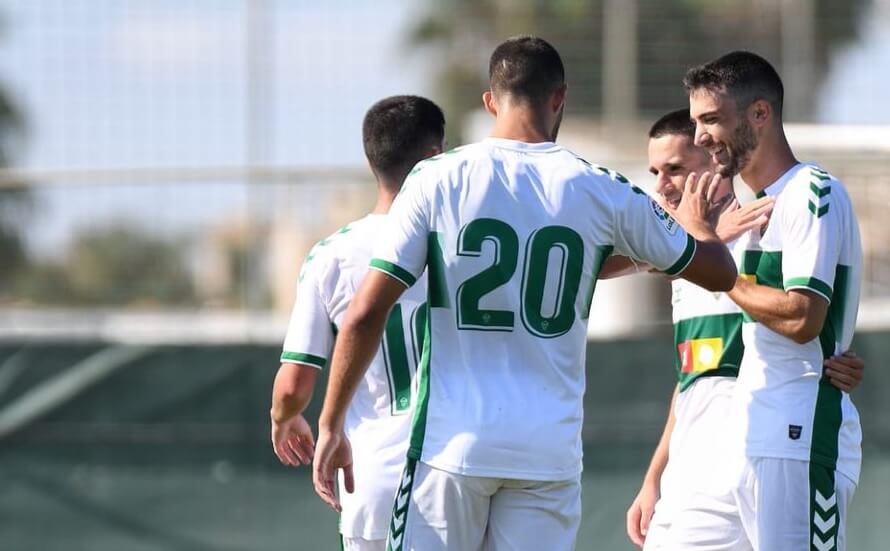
684, 259
810, 283
724, 326
395, 271
302, 358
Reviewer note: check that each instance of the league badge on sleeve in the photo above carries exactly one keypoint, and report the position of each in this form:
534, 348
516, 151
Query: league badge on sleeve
664, 218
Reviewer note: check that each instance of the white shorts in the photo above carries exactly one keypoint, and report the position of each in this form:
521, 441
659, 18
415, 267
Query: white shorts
700, 414
767, 504
437, 510
360, 544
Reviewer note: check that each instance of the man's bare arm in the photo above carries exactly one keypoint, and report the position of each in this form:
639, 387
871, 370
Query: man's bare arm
798, 314
292, 390
639, 514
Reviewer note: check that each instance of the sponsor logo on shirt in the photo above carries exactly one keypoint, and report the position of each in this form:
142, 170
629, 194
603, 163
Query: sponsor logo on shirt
698, 355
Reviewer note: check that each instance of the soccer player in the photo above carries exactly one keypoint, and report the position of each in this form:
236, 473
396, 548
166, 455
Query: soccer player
786, 475
397, 132
512, 232
708, 341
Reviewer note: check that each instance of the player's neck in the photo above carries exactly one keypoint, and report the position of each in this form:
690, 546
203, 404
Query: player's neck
522, 124
772, 158
384, 200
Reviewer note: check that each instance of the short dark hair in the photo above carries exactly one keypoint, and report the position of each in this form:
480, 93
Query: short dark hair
526, 67
675, 123
745, 76
398, 131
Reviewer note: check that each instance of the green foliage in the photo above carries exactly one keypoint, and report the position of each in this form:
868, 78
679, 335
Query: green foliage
115, 265
672, 35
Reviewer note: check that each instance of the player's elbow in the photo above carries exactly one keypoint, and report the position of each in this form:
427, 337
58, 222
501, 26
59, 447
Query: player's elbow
363, 316
724, 280
803, 330
712, 268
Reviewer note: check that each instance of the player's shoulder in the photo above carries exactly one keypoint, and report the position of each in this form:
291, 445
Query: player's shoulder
326, 254
812, 190
447, 160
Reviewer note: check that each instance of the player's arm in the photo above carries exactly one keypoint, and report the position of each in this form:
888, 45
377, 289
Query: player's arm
690, 249
639, 515
810, 254
292, 438
399, 259
620, 266
798, 314
357, 343
307, 347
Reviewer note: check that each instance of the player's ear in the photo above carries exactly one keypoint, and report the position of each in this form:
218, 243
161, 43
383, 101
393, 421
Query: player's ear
761, 112
489, 102
558, 99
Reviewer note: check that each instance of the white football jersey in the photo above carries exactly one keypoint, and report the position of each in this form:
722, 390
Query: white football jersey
513, 235
788, 408
707, 330
378, 419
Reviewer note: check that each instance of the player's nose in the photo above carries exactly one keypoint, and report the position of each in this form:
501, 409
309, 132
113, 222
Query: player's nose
702, 137
661, 183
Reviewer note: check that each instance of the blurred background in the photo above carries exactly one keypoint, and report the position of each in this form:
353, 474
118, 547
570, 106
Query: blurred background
167, 164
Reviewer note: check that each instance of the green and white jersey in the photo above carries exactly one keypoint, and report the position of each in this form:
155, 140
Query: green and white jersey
513, 235
378, 418
789, 408
707, 330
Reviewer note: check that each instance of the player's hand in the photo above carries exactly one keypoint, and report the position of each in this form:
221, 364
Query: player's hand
332, 453
845, 371
735, 221
697, 210
639, 515
292, 441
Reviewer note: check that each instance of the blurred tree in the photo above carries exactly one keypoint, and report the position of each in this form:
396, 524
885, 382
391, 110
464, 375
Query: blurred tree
673, 35
116, 265
15, 200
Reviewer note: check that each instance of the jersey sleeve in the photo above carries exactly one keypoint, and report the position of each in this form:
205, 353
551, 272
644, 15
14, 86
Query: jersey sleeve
643, 230
811, 241
402, 249
310, 333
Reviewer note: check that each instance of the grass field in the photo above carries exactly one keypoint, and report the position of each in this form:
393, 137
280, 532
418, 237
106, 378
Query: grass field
172, 452
48, 504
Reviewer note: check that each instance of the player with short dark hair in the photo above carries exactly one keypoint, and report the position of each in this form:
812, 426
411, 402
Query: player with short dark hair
397, 132
790, 463
707, 342
512, 232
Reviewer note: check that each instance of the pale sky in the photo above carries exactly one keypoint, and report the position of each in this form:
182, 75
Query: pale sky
139, 83
118, 83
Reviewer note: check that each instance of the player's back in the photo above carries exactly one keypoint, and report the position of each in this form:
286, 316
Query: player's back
378, 419
518, 233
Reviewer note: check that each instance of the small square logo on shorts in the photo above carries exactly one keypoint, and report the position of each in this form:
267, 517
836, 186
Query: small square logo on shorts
794, 431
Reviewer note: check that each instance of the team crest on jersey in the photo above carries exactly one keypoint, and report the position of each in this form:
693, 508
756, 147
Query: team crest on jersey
666, 220
794, 432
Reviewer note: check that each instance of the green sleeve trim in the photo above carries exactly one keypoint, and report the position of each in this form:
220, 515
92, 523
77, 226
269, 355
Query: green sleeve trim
397, 272
684, 259
810, 283
308, 359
